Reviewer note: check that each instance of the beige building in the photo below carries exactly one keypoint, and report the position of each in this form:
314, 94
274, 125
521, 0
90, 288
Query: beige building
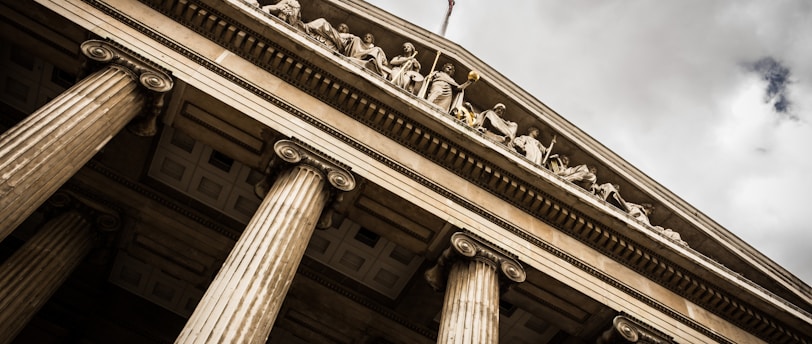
209, 171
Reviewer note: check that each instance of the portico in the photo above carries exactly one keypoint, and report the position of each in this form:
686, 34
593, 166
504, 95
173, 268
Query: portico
290, 196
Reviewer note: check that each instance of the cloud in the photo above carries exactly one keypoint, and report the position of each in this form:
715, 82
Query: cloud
662, 84
777, 77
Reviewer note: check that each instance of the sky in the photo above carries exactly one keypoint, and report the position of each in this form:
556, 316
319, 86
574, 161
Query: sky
712, 99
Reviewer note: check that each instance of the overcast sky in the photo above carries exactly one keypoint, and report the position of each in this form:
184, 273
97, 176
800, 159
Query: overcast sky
712, 99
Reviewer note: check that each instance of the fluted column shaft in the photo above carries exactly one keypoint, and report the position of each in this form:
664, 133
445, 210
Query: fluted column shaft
37, 269
471, 306
472, 272
241, 304
42, 152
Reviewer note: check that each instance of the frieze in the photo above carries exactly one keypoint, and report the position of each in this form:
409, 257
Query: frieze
314, 81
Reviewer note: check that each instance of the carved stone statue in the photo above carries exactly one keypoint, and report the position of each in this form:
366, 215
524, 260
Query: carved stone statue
406, 69
290, 11
640, 211
494, 127
670, 234
321, 30
364, 51
581, 173
442, 87
346, 36
531, 147
610, 193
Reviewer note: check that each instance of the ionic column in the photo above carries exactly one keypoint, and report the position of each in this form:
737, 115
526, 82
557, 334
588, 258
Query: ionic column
626, 329
37, 269
241, 304
43, 151
474, 271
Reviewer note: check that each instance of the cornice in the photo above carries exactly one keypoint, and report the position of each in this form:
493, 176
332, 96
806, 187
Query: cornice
525, 195
582, 141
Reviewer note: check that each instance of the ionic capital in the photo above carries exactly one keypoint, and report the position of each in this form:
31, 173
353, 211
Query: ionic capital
148, 75
626, 329
467, 246
338, 176
102, 217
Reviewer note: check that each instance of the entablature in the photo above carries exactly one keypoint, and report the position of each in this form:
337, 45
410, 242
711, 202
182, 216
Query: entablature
280, 50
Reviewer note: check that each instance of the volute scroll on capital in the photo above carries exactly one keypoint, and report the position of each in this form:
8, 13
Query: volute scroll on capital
626, 329
151, 77
103, 218
467, 246
338, 176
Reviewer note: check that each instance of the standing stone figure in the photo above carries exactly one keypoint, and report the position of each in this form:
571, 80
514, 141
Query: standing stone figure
406, 69
442, 87
530, 146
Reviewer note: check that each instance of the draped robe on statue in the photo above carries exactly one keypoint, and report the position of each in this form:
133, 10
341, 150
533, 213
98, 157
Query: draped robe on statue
367, 55
532, 148
405, 72
441, 90
491, 123
322, 31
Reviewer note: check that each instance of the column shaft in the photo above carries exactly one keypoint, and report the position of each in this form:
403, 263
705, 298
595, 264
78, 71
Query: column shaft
42, 152
32, 274
471, 308
241, 304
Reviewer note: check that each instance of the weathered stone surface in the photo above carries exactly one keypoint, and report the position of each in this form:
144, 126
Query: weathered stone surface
241, 304
39, 154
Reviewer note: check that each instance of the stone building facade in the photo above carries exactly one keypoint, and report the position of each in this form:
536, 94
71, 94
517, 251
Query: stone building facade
233, 171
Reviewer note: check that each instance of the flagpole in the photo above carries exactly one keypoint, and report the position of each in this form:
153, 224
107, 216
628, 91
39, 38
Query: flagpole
447, 16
